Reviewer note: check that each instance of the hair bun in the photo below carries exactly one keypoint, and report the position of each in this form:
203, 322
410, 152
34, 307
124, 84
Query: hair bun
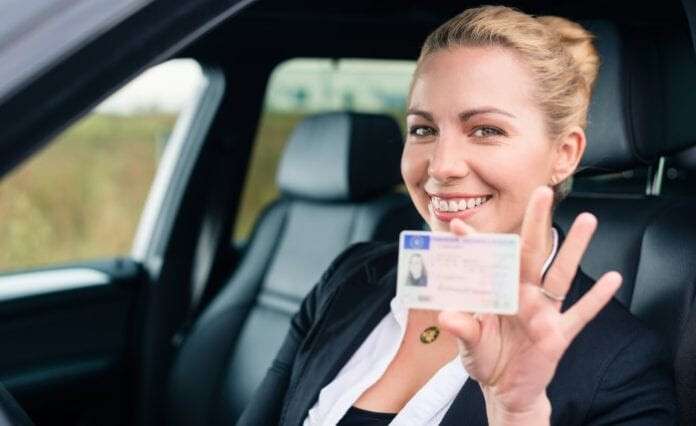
578, 42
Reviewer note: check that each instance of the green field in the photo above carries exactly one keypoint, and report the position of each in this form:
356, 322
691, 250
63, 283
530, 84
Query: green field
81, 197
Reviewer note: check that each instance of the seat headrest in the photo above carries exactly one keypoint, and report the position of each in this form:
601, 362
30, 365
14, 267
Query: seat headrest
686, 159
643, 101
341, 156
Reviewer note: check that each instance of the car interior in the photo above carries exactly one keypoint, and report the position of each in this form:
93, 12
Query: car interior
182, 329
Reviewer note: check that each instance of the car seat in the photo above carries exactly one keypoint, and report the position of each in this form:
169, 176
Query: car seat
642, 110
337, 177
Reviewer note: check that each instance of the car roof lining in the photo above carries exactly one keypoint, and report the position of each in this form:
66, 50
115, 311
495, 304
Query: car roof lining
391, 29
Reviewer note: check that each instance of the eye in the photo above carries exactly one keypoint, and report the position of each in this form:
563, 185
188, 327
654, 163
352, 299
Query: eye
487, 131
421, 131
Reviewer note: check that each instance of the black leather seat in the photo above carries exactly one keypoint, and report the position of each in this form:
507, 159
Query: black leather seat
685, 367
337, 178
641, 111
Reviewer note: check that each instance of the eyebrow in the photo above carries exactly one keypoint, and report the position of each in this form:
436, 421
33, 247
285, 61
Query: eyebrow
464, 116
423, 114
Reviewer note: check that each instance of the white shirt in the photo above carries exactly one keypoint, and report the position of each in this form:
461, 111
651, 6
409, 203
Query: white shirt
367, 365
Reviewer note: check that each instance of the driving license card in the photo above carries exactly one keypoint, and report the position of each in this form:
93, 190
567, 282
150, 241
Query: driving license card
474, 273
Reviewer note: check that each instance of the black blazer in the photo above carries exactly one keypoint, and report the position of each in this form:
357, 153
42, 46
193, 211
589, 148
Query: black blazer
613, 373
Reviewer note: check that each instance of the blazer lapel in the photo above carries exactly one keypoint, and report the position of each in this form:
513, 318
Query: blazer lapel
356, 310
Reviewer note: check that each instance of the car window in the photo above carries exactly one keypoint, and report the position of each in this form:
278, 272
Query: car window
81, 197
304, 86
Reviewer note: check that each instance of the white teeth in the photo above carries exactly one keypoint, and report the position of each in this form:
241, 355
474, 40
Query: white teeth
455, 206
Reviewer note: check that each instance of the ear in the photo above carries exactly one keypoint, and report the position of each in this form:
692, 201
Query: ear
569, 149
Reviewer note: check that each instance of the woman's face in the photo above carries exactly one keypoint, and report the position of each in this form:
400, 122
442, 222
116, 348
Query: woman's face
415, 266
476, 146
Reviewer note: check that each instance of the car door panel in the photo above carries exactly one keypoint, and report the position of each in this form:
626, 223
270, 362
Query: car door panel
67, 337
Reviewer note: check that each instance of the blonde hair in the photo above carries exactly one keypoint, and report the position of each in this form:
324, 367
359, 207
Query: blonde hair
563, 61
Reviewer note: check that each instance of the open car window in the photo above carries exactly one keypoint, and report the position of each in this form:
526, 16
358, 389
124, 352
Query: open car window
304, 86
81, 197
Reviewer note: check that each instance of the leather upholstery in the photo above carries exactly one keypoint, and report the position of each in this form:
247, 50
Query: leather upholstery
617, 243
686, 160
666, 278
605, 117
685, 365
324, 209
341, 156
650, 240
643, 101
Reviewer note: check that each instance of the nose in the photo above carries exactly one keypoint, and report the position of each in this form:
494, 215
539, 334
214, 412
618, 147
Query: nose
448, 161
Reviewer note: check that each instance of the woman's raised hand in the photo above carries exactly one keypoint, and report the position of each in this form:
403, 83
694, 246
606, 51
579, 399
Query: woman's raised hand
514, 357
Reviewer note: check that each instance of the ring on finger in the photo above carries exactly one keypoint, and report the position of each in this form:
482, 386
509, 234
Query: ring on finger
550, 295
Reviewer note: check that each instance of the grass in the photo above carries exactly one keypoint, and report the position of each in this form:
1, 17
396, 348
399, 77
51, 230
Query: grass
81, 197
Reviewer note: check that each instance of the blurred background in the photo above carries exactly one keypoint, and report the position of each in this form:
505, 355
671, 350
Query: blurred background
81, 198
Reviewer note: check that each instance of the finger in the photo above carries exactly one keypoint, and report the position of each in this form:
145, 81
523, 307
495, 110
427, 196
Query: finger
533, 236
565, 266
531, 301
462, 325
575, 318
461, 228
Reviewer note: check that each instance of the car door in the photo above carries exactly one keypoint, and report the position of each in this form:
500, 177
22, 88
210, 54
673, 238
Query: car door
77, 227
90, 201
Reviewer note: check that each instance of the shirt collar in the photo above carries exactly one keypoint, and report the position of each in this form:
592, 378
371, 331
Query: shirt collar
401, 312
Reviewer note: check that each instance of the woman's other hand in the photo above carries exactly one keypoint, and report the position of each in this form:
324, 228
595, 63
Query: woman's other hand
514, 357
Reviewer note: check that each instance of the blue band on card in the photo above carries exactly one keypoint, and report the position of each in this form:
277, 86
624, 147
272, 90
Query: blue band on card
417, 242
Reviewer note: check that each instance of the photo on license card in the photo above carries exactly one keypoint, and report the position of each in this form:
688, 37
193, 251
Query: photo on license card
477, 273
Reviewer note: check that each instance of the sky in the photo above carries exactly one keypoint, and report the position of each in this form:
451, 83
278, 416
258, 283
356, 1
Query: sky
324, 84
165, 87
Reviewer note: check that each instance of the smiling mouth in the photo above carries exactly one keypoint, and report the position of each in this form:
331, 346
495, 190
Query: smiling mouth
460, 204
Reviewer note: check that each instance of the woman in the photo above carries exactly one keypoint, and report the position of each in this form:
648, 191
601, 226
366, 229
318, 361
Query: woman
417, 275
496, 114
